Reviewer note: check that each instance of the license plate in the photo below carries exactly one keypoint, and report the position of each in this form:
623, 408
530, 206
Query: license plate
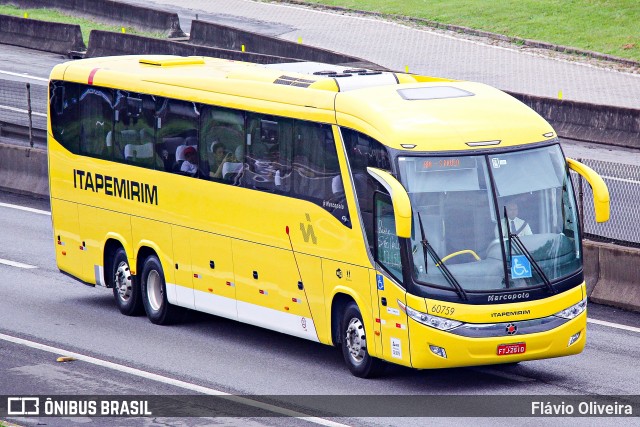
517, 348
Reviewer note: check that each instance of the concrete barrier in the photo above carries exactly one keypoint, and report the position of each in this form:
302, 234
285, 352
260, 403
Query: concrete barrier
105, 43
225, 37
22, 173
617, 276
113, 12
40, 35
602, 124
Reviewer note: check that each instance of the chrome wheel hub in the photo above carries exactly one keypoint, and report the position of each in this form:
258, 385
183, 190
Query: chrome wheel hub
356, 341
154, 290
122, 281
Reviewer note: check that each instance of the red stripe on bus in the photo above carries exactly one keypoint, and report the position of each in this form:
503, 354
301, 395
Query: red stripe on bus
91, 75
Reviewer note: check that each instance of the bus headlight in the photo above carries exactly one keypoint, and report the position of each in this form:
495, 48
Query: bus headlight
429, 319
573, 311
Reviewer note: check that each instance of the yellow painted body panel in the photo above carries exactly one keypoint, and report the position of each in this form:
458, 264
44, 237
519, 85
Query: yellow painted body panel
440, 124
66, 231
394, 327
211, 237
212, 262
463, 351
96, 227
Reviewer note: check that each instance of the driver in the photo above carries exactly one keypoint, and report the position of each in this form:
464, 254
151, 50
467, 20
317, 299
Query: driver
517, 226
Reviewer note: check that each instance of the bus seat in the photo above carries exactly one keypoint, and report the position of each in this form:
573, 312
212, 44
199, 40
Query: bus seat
138, 152
232, 171
191, 140
146, 136
172, 143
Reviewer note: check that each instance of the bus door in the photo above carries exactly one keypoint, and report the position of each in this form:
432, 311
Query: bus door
394, 327
213, 279
268, 290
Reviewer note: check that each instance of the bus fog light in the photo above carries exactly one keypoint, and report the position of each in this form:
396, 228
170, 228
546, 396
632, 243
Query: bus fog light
573, 339
438, 351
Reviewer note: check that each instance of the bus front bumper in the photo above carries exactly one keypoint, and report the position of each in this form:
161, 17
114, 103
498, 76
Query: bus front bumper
432, 348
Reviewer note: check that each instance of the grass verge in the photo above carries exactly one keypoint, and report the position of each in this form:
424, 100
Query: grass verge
605, 26
86, 25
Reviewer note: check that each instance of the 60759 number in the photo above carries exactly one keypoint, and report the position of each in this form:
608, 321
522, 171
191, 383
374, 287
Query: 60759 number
442, 309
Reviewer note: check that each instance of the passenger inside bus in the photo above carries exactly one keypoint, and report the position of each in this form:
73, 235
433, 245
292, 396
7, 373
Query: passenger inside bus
219, 159
190, 164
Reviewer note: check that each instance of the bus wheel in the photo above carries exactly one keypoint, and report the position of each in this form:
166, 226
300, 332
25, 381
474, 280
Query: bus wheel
154, 294
354, 345
125, 287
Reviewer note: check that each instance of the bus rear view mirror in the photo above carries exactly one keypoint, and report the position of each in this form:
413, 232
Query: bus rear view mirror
598, 187
400, 199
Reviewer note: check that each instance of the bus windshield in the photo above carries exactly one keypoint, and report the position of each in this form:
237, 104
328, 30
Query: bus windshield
492, 222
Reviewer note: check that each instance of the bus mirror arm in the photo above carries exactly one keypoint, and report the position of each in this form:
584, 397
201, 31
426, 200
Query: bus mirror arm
399, 198
598, 187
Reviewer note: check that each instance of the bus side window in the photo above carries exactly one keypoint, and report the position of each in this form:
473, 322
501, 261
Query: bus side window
176, 126
134, 130
96, 121
64, 114
268, 153
316, 171
222, 144
363, 152
387, 246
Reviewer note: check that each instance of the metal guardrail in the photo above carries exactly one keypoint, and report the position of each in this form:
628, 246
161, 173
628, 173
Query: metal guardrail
623, 181
23, 111
23, 114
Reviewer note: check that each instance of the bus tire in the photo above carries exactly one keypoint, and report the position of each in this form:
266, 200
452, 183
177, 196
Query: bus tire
354, 345
154, 294
126, 290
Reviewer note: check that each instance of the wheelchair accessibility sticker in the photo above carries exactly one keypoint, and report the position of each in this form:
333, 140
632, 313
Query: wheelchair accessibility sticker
520, 267
380, 281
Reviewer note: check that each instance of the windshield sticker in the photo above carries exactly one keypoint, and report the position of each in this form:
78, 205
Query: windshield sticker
380, 281
520, 267
396, 348
496, 162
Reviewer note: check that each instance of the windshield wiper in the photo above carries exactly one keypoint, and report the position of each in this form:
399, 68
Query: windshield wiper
526, 253
427, 248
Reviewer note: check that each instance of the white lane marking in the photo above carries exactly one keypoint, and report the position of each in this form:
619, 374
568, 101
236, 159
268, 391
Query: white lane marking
613, 325
20, 110
24, 208
16, 264
497, 373
25, 76
171, 381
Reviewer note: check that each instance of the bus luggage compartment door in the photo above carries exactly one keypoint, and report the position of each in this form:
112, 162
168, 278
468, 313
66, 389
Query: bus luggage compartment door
267, 290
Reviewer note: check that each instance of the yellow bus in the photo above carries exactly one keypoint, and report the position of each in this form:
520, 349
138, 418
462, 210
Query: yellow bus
403, 218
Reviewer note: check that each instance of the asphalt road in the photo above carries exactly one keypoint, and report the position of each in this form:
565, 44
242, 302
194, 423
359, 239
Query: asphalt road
42, 305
